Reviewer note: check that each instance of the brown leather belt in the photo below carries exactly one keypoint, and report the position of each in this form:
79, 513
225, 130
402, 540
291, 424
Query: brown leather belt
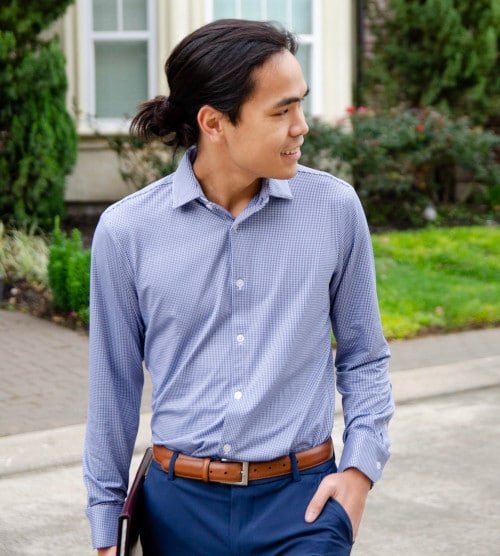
239, 473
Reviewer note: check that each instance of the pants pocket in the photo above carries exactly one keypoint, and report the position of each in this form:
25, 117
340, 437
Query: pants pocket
341, 512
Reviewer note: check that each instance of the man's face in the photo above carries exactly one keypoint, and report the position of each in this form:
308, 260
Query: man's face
267, 138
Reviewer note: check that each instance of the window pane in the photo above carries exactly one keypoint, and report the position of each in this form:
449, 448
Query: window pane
250, 9
304, 58
224, 8
121, 76
104, 12
135, 15
301, 16
276, 11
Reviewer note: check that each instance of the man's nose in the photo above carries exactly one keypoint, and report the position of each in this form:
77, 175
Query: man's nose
300, 127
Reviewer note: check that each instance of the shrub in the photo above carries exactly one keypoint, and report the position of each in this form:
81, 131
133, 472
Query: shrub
403, 161
23, 257
441, 53
69, 272
78, 273
142, 162
57, 268
37, 136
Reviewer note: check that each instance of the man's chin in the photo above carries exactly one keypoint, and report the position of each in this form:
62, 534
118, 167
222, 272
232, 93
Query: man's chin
286, 173
291, 174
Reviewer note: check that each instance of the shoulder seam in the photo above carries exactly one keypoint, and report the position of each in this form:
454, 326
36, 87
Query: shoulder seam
167, 180
308, 170
331, 177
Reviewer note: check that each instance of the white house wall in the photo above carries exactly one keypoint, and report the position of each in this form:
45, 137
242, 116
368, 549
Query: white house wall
338, 51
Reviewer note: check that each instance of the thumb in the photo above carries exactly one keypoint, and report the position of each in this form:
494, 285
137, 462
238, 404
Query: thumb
318, 501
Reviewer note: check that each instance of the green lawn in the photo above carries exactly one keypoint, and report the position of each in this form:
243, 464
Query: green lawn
438, 279
431, 280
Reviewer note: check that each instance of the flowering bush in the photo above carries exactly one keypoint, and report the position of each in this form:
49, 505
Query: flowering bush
404, 161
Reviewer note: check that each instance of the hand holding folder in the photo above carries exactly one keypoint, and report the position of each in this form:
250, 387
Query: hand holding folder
129, 522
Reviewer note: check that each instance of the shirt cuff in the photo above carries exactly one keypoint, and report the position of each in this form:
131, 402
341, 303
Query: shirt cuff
363, 452
104, 524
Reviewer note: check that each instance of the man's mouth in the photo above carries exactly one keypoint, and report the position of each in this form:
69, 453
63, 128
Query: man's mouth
293, 151
292, 154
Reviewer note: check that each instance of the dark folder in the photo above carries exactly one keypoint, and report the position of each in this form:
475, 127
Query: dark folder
129, 522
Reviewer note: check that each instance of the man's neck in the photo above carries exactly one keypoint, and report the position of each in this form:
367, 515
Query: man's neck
229, 189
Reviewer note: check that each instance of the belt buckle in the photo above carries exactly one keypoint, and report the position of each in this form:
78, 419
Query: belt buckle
244, 475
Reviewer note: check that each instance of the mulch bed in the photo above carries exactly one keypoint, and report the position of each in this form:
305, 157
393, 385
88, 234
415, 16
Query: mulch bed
37, 301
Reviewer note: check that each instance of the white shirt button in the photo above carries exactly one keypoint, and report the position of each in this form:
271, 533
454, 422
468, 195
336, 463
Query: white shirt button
226, 448
379, 465
240, 338
209, 206
237, 395
235, 227
240, 283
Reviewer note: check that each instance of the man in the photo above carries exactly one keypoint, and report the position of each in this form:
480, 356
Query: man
226, 279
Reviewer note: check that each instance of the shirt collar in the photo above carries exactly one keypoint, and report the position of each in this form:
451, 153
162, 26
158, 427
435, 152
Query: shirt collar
278, 188
185, 186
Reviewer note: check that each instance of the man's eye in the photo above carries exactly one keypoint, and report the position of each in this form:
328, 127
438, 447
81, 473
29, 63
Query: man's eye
283, 112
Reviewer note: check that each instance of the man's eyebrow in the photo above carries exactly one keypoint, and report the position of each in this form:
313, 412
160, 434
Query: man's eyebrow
290, 100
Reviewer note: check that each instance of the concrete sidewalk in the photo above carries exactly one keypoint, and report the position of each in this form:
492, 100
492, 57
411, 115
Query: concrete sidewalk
440, 493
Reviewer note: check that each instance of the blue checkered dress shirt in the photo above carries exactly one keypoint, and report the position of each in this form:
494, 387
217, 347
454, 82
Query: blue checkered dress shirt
232, 318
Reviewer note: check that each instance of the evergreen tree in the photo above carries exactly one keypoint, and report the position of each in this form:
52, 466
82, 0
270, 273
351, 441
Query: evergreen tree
441, 53
38, 141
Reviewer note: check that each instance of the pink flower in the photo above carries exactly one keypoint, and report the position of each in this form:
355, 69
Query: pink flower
420, 128
362, 110
350, 109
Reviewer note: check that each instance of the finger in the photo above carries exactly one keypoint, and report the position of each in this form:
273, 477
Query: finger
318, 501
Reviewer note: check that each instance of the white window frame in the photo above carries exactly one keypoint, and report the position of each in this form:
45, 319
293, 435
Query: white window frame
313, 39
89, 123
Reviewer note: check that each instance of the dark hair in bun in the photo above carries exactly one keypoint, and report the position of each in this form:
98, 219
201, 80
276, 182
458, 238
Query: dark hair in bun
159, 117
211, 66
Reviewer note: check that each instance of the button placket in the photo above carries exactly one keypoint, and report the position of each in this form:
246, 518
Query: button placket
239, 338
239, 284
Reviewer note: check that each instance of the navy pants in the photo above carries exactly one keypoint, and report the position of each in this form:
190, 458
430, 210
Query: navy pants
185, 517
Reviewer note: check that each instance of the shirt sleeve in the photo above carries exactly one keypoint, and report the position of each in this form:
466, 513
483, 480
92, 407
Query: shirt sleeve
362, 358
115, 385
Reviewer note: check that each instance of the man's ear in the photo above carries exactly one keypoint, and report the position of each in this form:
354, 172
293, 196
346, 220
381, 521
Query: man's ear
210, 123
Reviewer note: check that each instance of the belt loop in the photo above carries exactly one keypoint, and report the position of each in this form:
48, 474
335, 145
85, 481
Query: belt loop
205, 469
171, 466
295, 467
